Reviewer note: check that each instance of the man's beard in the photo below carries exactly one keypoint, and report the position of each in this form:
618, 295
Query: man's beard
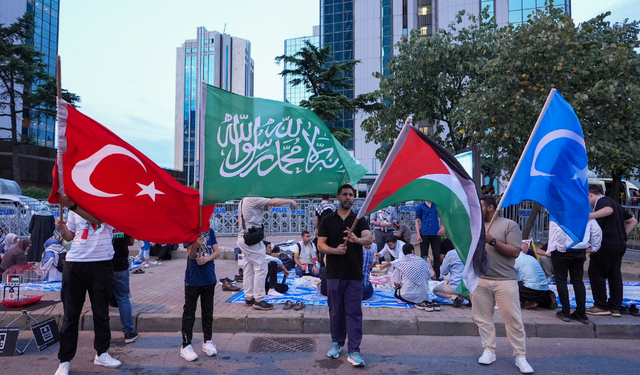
346, 205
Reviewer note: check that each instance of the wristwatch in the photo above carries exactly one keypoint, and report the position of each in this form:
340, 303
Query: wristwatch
493, 242
73, 208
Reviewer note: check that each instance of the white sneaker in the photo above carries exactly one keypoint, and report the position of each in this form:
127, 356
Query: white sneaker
487, 357
209, 348
106, 360
188, 353
63, 369
523, 365
274, 293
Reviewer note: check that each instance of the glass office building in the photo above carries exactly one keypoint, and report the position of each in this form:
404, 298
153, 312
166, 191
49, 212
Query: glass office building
219, 60
520, 9
295, 94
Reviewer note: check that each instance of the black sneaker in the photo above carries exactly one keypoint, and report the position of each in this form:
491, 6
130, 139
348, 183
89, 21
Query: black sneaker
435, 305
581, 319
238, 278
457, 303
250, 302
562, 316
262, 305
528, 305
424, 305
130, 337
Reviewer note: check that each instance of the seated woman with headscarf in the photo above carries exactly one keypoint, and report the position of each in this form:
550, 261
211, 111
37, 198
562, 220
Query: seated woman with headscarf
52, 260
15, 252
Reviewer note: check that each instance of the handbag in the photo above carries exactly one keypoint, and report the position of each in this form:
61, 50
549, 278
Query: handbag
252, 236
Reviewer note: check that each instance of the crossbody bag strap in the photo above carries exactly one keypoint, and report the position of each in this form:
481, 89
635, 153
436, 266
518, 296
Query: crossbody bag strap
244, 227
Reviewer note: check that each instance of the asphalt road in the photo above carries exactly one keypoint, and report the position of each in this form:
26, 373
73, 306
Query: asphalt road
155, 353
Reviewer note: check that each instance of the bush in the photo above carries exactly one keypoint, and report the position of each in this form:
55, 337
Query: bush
36, 192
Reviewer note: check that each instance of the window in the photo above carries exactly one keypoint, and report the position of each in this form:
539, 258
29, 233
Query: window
425, 10
423, 30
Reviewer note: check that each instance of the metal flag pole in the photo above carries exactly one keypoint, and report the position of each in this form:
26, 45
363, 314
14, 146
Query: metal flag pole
533, 132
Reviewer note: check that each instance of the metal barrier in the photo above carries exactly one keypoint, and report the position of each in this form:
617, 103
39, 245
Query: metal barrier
15, 217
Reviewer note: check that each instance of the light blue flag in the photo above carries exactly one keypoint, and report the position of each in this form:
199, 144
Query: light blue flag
553, 171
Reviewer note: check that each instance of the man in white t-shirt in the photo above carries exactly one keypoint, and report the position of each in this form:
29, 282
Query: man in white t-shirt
88, 268
306, 257
251, 215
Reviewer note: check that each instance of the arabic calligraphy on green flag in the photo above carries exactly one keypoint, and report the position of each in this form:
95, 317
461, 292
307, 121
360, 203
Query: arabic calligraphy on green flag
260, 147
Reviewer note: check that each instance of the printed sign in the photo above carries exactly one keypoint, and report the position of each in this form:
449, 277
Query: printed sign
8, 341
46, 333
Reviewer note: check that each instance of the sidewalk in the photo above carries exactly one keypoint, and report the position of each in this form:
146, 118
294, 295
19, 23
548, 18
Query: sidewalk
158, 297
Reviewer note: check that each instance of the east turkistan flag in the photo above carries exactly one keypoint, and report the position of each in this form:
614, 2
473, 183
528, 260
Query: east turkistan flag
420, 169
256, 147
553, 169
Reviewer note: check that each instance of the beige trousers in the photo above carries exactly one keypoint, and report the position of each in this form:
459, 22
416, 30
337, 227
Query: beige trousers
255, 269
484, 298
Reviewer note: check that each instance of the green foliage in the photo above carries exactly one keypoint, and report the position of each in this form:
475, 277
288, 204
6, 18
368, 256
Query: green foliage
428, 78
311, 69
36, 192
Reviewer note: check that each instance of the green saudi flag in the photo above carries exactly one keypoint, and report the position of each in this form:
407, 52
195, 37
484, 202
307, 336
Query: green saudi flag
253, 147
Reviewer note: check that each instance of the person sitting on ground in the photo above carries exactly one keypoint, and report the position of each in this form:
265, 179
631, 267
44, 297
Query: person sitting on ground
404, 232
532, 284
199, 282
451, 269
367, 263
411, 279
145, 246
53, 260
306, 258
273, 263
541, 256
16, 255
393, 247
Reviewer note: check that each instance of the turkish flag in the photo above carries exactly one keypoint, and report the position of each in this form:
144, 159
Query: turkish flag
119, 185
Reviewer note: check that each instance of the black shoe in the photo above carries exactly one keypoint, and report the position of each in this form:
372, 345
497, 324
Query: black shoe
624, 310
457, 303
240, 271
130, 337
228, 287
633, 309
262, 305
528, 305
250, 302
436, 305
563, 317
238, 278
581, 319
554, 301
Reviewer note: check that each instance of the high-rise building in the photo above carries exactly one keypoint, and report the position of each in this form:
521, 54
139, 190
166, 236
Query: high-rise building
367, 30
40, 128
220, 60
295, 94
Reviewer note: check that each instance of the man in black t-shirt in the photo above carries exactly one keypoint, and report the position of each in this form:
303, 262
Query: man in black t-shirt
120, 283
605, 264
343, 273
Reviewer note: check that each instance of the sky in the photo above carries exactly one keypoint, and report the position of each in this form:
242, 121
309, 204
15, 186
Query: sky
120, 55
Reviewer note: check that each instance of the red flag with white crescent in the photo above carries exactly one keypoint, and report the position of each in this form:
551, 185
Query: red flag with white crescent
118, 184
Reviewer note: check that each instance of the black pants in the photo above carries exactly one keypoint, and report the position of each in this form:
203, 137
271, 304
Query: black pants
191, 294
79, 278
272, 277
381, 240
433, 242
544, 298
165, 252
605, 265
571, 262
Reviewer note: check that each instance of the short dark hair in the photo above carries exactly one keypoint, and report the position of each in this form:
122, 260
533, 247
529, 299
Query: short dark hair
391, 239
325, 197
407, 249
346, 186
304, 232
596, 189
276, 249
266, 243
489, 200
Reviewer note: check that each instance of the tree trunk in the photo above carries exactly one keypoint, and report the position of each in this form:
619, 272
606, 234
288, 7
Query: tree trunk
532, 219
616, 184
14, 140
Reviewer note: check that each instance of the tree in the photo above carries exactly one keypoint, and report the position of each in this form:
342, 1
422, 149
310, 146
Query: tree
427, 79
310, 68
20, 67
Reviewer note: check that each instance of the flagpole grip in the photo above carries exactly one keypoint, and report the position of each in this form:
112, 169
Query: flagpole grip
355, 222
59, 96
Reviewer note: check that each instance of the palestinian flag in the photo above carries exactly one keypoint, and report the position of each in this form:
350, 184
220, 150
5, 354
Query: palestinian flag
13, 279
420, 169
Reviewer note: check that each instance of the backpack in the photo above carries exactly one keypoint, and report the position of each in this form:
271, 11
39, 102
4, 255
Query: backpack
286, 261
61, 259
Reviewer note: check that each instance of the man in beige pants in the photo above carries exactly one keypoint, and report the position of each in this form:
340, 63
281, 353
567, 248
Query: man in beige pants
500, 285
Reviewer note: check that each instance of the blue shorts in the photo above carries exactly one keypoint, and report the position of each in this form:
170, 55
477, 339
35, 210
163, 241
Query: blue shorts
144, 254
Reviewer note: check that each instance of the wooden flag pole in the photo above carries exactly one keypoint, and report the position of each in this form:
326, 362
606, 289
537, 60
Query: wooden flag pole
59, 95
526, 148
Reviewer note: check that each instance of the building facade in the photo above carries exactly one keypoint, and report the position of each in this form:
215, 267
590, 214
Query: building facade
367, 30
295, 94
40, 128
219, 60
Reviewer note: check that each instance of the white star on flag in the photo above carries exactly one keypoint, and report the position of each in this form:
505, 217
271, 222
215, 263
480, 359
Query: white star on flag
149, 190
